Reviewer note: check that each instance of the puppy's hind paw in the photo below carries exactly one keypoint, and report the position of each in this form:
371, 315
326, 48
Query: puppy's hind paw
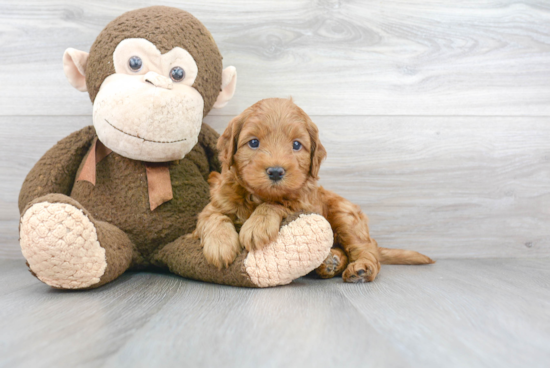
333, 265
361, 271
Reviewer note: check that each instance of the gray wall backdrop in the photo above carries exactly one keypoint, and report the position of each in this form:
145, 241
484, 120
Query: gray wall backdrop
435, 114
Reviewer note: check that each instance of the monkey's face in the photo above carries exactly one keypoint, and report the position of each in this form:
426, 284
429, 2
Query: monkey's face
152, 75
148, 110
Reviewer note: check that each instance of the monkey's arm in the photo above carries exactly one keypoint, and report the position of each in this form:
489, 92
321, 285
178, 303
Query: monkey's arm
55, 172
303, 243
208, 138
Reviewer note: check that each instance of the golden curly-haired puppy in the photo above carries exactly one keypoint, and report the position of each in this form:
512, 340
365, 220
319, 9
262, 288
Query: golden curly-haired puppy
270, 156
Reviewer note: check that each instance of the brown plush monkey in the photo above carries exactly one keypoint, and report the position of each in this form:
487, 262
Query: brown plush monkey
124, 193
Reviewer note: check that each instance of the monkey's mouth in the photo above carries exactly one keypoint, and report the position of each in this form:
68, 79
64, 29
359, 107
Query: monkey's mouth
143, 139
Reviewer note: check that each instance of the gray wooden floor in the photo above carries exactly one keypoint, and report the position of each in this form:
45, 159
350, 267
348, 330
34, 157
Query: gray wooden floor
456, 313
436, 118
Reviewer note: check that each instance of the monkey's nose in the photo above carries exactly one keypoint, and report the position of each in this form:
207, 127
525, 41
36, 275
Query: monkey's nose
275, 173
158, 80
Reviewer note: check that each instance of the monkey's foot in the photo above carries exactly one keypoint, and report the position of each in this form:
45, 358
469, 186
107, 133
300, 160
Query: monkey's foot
61, 246
301, 246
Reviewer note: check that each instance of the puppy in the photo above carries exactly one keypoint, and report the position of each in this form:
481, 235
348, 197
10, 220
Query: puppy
270, 157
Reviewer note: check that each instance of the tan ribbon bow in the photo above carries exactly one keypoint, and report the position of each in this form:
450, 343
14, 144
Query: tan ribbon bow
158, 175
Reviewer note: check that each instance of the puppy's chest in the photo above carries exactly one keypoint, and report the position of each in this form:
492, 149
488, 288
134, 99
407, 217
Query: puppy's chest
242, 213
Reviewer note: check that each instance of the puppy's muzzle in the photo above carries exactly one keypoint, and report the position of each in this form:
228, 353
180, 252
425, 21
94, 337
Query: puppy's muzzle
275, 173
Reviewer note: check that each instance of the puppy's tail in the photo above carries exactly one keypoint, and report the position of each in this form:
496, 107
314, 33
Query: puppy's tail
403, 257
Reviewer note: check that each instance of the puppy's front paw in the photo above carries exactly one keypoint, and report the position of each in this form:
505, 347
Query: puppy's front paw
362, 270
258, 231
221, 245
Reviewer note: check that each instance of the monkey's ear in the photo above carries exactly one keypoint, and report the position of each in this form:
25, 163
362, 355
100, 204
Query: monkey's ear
74, 65
229, 84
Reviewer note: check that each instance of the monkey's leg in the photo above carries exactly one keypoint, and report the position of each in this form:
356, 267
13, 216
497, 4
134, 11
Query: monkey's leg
67, 249
303, 242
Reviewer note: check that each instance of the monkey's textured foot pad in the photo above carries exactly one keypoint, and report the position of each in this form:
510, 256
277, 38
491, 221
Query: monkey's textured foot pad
302, 245
61, 247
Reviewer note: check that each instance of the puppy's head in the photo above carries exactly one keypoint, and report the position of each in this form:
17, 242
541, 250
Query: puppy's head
274, 147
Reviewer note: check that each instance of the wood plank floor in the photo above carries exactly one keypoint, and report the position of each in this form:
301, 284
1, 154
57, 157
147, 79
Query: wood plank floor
456, 313
435, 117
368, 57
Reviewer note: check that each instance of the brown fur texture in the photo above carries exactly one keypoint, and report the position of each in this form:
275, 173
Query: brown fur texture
56, 171
167, 28
118, 205
185, 257
120, 196
133, 236
243, 196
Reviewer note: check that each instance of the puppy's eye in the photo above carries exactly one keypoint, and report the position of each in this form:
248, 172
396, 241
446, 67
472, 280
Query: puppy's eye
135, 63
254, 143
177, 74
296, 146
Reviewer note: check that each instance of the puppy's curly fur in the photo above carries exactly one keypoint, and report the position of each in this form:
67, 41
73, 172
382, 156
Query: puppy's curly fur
244, 196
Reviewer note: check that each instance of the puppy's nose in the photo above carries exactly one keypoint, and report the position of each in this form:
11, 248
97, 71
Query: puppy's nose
275, 173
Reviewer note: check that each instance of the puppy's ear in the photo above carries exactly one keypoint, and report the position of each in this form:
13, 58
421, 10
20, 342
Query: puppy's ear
318, 152
227, 143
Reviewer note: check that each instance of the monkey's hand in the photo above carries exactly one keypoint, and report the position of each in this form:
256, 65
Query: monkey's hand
262, 227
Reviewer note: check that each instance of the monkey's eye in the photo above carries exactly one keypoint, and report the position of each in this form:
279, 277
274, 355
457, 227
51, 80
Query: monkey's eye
296, 146
254, 143
135, 63
177, 74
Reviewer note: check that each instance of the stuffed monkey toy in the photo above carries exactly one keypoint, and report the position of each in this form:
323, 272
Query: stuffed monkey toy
124, 194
